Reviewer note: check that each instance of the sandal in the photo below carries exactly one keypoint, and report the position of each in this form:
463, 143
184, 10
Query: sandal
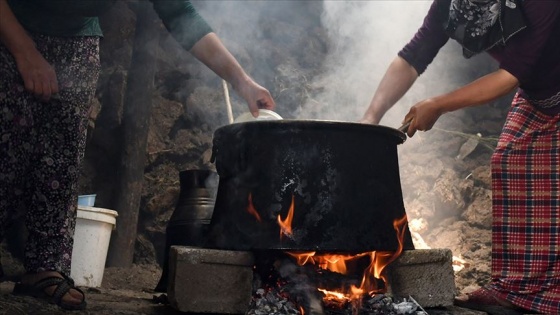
484, 300
63, 286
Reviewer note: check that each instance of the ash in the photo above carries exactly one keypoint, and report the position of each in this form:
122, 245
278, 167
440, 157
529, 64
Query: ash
283, 288
278, 302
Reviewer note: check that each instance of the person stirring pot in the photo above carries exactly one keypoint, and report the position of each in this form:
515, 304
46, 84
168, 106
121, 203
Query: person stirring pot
523, 37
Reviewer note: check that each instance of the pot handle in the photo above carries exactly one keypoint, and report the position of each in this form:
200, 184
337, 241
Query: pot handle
404, 127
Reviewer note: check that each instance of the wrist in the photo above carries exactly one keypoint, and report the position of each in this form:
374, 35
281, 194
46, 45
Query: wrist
373, 115
439, 106
25, 52
240, 82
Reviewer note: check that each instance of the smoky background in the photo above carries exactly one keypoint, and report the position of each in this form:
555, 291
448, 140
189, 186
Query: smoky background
337, 81
363, 38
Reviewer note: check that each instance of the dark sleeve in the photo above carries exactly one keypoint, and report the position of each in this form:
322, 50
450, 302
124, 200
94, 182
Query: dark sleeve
182, 21
522, 51
428, 40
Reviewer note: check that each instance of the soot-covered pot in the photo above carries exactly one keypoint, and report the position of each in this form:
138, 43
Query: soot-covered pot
307, 185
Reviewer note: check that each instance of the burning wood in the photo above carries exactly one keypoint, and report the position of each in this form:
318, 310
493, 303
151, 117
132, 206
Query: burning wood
315, 283
325, 283
287, 298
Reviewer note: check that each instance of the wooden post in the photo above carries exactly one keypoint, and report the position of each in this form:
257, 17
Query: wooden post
134, 135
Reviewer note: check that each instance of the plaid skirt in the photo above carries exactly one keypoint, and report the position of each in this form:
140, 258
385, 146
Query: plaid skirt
526, 210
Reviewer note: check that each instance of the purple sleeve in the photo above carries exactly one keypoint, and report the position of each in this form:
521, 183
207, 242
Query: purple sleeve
428, 40
523, 51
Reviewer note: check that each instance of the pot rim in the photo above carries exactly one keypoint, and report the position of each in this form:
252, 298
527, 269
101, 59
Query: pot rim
317, 123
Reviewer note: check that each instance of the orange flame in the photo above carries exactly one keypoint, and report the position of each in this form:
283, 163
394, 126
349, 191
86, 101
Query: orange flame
337, 263
333, 295
251, 208
286, 224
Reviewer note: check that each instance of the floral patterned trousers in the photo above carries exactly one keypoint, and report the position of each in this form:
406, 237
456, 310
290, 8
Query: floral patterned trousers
41, 148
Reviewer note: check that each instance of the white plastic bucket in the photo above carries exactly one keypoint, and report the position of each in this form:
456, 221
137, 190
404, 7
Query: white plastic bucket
91, 243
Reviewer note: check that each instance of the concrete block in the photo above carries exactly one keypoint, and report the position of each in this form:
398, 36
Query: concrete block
426, 275
210, 281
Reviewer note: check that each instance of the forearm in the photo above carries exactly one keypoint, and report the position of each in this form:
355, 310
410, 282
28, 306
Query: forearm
211, 51
423, 115
12, 34
397, 80
483, 90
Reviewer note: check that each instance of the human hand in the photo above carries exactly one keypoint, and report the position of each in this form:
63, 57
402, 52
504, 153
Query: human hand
39, 77
256, 96
422, 116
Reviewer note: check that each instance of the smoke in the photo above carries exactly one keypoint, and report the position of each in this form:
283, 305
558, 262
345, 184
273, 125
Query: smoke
364, 37
243, 26
275, 38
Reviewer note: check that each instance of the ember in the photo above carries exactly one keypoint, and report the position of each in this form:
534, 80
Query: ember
323, 283
378, 260
294, 294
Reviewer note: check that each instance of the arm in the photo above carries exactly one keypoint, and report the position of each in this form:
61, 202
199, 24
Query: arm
424, 114
397, 80
38, 75
195, 35
210, 51
411, 62
520, 57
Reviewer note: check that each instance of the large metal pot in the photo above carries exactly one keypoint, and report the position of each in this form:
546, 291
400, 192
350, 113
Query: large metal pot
342, 180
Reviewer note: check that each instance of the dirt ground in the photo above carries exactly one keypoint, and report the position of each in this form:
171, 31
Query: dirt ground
124, 292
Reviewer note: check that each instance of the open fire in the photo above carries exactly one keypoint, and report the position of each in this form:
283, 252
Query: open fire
318, 283
318, 222
338, 263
